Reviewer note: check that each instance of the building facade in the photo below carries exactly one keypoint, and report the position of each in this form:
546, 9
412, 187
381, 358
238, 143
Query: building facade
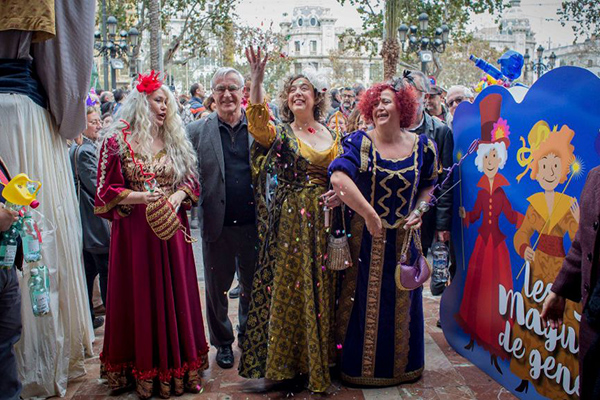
585, 55
312, 37
512, 33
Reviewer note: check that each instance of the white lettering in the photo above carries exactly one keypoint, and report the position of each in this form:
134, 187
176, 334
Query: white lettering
512, 305
552, 371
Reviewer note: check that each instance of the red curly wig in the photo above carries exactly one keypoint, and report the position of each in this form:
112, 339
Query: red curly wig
404, 98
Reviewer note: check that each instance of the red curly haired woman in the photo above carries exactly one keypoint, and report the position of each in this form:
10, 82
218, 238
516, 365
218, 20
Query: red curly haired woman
154, 332
385, 177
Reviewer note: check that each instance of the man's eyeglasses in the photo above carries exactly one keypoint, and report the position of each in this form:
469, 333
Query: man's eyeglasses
223, 88
456, 101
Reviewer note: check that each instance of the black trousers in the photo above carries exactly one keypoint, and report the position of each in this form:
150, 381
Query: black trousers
95, 264
10, 333
234, 250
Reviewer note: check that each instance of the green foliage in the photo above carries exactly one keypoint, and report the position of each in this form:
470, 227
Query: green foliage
124, 11
279, 65
458, 70
345, 66
455, 13
198, 19
584, 14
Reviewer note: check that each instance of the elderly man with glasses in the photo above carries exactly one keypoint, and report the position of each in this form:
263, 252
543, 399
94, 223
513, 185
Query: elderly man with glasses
227, 204
456, 95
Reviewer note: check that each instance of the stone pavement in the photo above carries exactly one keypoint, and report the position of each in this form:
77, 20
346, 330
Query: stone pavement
447, 375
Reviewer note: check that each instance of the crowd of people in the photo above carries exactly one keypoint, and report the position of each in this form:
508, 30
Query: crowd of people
291, 194
267, 182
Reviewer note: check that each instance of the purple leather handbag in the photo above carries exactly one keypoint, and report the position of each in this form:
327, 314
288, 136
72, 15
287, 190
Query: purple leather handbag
411, 277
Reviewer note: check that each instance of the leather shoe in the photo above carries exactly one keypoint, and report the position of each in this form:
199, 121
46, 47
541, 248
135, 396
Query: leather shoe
97, 322
235, 292
225, 357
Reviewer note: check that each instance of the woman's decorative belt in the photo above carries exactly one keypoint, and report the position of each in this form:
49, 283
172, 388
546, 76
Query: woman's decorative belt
315, 176
552, 245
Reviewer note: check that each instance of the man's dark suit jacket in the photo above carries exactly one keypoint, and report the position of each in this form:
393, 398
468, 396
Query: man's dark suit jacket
206, 140
84, 162
439, 218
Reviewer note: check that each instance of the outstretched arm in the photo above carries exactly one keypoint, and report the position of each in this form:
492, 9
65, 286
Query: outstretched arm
257, 72
349, 193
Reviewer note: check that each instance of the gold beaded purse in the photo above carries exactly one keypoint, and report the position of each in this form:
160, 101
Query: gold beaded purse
338, 248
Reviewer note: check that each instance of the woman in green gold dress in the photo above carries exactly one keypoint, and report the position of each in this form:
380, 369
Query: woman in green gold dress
290, 321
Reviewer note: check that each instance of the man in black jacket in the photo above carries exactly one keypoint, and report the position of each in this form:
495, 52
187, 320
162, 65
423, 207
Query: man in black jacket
96, 234
437, 222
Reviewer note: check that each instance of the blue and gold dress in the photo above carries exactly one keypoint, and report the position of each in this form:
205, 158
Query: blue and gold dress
379, 327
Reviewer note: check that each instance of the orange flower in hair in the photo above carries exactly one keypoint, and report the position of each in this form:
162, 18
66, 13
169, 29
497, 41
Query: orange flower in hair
149, 83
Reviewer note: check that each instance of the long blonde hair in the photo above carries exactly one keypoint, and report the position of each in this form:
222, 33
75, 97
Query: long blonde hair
136, 111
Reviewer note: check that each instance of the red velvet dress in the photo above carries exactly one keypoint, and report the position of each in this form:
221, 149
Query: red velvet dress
489, 267
154, 325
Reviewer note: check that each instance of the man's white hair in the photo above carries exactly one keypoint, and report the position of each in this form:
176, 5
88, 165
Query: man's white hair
465, 91
485, 148
223, 72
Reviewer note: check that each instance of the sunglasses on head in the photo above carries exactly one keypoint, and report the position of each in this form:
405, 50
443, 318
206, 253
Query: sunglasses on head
411, 79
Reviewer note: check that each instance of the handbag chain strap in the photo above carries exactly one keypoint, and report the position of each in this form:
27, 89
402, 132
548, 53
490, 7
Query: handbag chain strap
415, 235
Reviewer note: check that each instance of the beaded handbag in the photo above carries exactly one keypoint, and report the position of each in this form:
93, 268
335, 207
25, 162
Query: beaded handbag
338, 249
163, 220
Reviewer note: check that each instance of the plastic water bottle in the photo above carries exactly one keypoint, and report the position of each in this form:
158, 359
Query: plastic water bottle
45, 275
440, 263
40, 297
8, 245
30, 235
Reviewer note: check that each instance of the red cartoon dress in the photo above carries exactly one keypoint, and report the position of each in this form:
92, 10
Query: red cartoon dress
489, 267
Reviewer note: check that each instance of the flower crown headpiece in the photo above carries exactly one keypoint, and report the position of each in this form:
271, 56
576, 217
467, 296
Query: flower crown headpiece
317, 79
149, 83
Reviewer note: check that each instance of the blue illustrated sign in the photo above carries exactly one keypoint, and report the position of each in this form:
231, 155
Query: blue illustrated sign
516, 212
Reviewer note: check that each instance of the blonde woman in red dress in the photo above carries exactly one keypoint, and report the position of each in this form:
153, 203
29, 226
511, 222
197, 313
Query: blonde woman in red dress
154, 332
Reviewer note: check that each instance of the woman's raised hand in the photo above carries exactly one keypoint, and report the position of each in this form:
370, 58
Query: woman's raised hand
257, 65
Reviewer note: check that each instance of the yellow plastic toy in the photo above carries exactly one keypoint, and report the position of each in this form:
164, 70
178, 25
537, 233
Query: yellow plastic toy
17, 191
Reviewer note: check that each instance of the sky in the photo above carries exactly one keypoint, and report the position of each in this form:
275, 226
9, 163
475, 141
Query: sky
542, 15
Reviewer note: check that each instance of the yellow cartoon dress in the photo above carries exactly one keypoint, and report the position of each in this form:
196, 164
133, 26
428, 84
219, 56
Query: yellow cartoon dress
549, 256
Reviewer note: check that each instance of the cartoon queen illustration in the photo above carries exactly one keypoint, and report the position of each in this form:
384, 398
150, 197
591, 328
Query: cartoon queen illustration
489, 266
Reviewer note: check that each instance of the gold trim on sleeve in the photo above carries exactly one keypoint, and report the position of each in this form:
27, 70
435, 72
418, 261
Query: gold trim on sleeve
190, 193
113, 203
365, 146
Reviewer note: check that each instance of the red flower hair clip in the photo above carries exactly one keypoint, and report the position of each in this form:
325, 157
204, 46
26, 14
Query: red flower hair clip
149, 83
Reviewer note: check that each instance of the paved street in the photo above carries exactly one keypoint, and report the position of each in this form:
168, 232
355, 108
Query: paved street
447, 375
